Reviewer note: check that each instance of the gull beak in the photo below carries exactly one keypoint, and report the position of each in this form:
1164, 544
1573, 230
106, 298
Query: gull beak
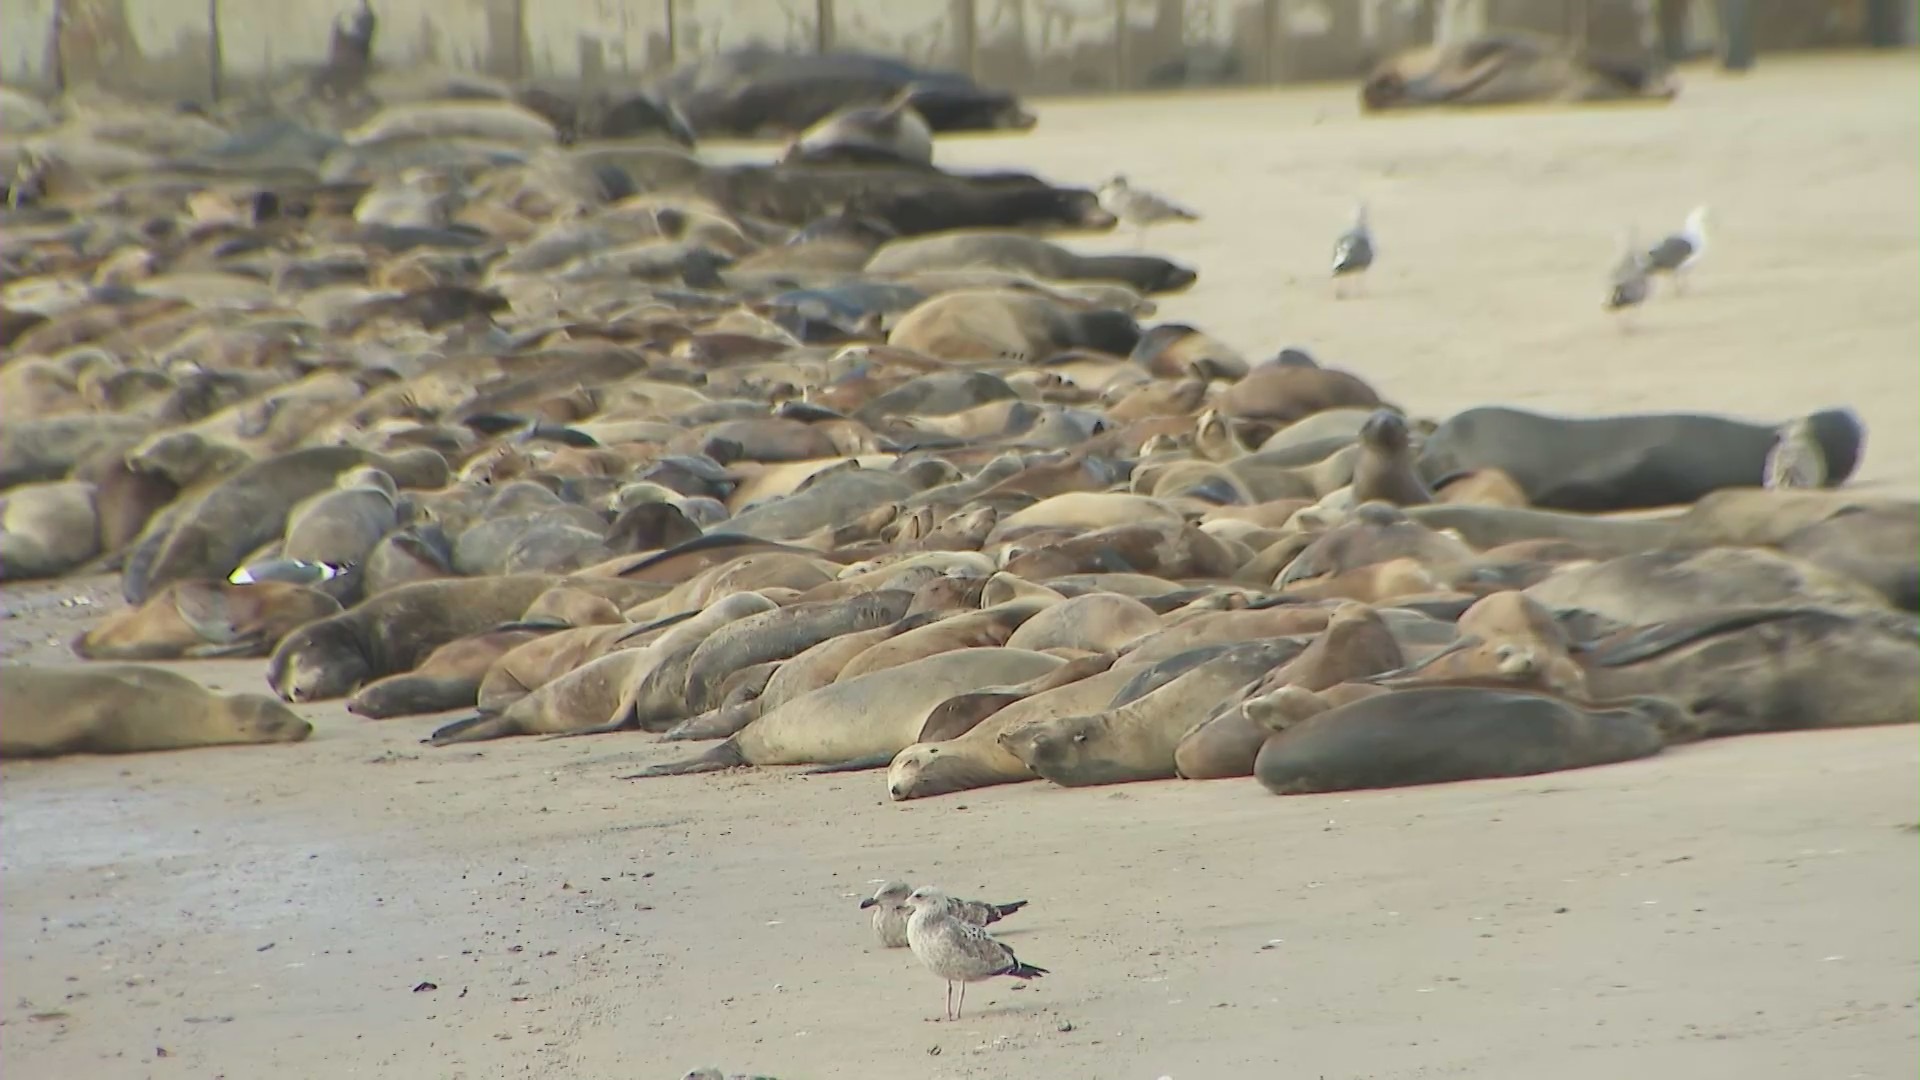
868, 902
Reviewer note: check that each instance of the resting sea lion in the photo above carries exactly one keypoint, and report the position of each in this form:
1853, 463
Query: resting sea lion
1744, 669
199, 619
47, 529
1441, 734
990, 626
810, 670
1024, 254
1355, 644
877, 715
393, 632
779, 635
1509, 68
449, 678
1629, 462
1655, 586
976, 759
129, 710
1095, 622
1136, 741
893, 131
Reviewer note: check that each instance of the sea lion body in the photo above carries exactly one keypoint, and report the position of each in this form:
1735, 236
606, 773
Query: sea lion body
1508, 68
47, 529
1753, 669
1137, 740
393, 632
1655, 586
198, 619
877, 715
127, 710
1630, 462
976, 759
449, 678
1437, 735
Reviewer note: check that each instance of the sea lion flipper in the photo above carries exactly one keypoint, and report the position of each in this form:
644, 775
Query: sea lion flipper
476, 728
719, 723
245, 646
1654, 639
872, 761
722, 757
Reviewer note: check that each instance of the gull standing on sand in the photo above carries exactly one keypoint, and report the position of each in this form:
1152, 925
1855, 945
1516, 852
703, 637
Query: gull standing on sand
1138, 208
1629, 285
890, 914
957, 952
1678, 252
1797, 459
1353, 252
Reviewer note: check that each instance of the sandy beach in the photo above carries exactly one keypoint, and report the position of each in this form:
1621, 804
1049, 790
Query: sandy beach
364, 905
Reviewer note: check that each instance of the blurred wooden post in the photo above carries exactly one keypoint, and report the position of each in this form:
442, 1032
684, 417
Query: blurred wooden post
1736, 35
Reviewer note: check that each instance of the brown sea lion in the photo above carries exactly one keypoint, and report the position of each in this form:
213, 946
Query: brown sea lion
1136, 741
47, 529
989, 627
128, 710
1384, 471
199, 619
1509, 68
875, 716
975, 758
1655, 586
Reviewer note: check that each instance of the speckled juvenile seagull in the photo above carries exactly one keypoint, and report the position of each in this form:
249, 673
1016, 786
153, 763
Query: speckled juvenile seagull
889, 904
1138, 208
956, 951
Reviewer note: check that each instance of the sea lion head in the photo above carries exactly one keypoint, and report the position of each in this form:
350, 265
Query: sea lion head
260, 718
1385, 431
320, 660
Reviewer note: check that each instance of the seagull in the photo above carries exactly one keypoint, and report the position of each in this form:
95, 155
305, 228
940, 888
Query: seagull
1138, 208
889, 904
1629, 285
1797, 460
1681, 250
1353, 252
956, 951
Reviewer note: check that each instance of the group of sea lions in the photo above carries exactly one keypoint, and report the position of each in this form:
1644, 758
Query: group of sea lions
832, 459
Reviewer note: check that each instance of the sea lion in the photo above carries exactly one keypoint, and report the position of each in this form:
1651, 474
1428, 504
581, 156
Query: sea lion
1441, 734
1384, 471
47, 529
806, 672
893, 131
657, 698
200, 619
1374, 533
990, 626
1487, 527
781, 634
392, 632
1507, 639
1276, 395
1095, 622
128, 710
1136, 740
1023, 254
1655, 586
1870, 544
1629, 462
981, 326
578, 702
570, 606
529, 666
975, 758
1509, 68
1355, 644
240, 513
1743, 669
877, 715
757, 92
449, 678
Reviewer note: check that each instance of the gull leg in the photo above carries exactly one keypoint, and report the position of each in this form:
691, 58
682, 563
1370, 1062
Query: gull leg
949, 1001
1680, 283
963, 1002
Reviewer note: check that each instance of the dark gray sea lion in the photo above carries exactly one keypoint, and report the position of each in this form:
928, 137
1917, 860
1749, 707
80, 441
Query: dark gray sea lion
1630, 462
1753, 669
760, 92
1510, 68
1024, 254
1442, 734
394, 632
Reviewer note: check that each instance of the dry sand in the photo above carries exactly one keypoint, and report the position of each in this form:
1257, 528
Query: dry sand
1744, 908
